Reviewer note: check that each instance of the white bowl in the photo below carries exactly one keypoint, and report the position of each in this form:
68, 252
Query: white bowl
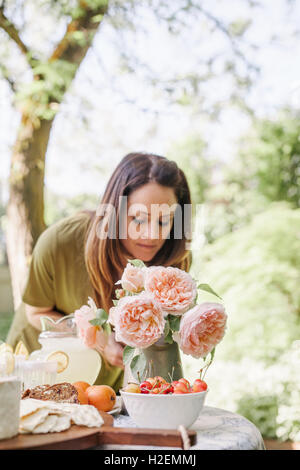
163, 411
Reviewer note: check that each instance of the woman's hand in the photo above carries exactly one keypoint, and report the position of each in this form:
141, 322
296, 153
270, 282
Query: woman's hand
113, 352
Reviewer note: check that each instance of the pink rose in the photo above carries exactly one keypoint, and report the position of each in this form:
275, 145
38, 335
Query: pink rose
138, 320
132, 279
92, 336
201, 329
174, 289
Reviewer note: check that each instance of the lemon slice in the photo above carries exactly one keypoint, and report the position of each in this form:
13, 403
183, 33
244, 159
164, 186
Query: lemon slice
61, 358
21, 349
6, 347
7, 362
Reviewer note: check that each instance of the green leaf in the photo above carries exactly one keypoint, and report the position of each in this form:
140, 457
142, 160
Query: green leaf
169, 337
101, 318
107, 328
168, 333
101, 315
138, 366
97, 18
207, 288
174, 321
137, 263
95, 322
212, 354
167, 327
128, 354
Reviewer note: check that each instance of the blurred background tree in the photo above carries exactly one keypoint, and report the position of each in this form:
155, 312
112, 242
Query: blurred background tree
189, 154
50, 63
270, 157
171, 77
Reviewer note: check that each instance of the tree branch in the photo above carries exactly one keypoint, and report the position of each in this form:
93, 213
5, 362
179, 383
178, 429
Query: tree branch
6, 76
221, 27
79, 34
13, 33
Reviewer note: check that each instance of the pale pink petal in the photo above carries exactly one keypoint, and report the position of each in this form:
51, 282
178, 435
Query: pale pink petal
138, 320
201, 329
174, 289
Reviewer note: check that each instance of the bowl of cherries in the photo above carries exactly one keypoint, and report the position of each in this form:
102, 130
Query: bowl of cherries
158, 404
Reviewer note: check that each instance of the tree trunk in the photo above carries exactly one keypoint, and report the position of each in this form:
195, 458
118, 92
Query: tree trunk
25, 210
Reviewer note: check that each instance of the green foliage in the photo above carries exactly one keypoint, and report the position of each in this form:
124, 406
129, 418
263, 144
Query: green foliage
58, 206
256, 270
189, 154
230, 206
271, 157
138, 366
40, 97
269, 396
128, 354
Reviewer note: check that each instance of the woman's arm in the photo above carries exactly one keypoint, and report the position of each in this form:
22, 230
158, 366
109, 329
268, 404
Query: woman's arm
34, 315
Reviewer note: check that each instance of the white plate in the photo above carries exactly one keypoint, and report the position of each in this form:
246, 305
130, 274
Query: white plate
117, 408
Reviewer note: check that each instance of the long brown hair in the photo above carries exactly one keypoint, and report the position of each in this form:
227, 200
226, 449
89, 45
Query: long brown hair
104, 257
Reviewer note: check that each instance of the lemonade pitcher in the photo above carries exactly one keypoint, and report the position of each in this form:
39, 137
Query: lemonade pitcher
60, 342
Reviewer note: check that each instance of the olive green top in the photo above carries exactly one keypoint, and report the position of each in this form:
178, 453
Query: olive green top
58, 278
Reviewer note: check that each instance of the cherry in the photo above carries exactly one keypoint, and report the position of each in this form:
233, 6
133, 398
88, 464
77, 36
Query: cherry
160, 379
199, 386
146, 385
179, 387
166, 388
185, 382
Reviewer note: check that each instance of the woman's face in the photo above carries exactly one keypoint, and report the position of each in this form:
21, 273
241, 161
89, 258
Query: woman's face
150, 213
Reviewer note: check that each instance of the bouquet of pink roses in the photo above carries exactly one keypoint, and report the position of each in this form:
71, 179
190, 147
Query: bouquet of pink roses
153, 302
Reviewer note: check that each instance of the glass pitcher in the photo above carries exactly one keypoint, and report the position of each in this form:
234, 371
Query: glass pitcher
83, 363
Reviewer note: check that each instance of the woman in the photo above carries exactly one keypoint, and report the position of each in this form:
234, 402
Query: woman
77, 257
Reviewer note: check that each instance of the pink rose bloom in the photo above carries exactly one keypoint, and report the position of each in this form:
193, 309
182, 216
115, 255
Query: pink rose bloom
92, 336
132, 279
201, 329
174, 289
138, 321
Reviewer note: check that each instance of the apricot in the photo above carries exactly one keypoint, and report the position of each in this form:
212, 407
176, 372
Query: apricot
82, 396
82, 385
103, 397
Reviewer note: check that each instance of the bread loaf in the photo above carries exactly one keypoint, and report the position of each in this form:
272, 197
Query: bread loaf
62, 393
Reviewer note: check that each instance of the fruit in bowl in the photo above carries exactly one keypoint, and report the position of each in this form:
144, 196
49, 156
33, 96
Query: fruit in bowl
158, 404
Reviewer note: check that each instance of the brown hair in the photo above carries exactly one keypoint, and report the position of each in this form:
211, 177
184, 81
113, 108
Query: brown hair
104, 257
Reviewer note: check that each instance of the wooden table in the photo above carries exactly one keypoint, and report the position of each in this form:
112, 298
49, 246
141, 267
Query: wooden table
82, 437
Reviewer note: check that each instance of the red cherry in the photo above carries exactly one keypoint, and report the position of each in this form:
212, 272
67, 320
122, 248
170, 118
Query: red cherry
179, 387
160, 379
199, 386
186, 383
167, 388
146, 385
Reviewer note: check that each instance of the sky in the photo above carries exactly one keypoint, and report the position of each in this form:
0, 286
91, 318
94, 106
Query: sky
142, 120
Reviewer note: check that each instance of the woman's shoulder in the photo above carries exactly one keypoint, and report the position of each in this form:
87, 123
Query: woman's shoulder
66, 231
74, 226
